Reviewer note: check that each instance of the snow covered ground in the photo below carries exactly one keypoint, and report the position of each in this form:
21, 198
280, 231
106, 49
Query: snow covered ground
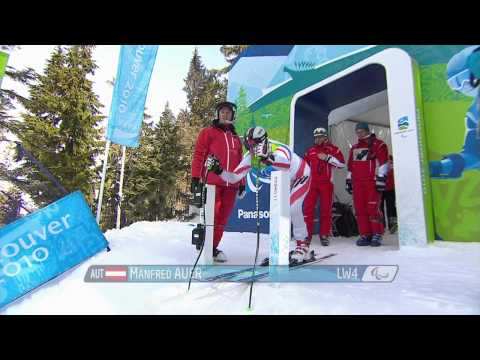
442, 278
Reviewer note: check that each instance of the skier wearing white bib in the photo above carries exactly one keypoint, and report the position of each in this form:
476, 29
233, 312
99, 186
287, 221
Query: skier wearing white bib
262, 153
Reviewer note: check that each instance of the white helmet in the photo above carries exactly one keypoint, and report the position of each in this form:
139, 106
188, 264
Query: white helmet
256, 138
255, 135
320, 132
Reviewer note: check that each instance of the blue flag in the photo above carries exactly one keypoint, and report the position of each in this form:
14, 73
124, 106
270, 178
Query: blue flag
46, 243
131, 86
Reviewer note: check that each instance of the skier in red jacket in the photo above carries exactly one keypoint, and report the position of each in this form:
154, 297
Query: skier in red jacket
220, 140
367, 175
323, 157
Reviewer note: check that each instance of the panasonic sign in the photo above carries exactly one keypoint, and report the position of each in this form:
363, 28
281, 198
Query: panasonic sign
252, 214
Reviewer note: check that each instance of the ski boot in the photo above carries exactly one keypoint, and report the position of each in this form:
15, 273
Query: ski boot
376, 240
301, 252
219, 256
364, 240
324, 240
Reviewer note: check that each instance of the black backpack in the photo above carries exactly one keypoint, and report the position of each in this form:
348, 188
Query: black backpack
344, 222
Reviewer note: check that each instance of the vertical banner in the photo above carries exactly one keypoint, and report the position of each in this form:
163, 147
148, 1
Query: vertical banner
131, 86
3, 65
423, 152
46, 243
279, 218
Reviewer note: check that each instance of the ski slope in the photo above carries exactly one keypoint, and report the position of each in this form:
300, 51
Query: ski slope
442, 278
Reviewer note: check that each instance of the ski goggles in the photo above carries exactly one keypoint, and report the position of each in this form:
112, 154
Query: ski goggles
462, 82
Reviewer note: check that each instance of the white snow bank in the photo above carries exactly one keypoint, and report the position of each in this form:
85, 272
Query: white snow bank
442, 278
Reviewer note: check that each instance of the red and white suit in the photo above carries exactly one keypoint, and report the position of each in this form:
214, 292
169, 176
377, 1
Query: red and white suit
282, 158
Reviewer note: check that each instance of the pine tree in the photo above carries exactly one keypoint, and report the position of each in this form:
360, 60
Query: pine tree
169, 152
8, 96
168, 155
217, 88
231, 52
196, 86
180, 197
61, 124
153, 171
188, 138
140, 171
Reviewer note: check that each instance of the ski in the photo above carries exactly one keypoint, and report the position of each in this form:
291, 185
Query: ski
293, 266
253, 278
227, 275
232, 274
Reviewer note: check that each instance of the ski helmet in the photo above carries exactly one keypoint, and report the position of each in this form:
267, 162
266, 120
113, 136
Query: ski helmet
320, 132
227, 104
255, 136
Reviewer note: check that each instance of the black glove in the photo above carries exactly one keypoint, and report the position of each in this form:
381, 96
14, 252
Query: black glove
195, 186
380, 183
348, 186
241, 192
213, 164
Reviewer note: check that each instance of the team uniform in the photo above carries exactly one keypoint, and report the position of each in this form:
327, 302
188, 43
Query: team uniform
321, 187
368, 160
282, 158
223, 142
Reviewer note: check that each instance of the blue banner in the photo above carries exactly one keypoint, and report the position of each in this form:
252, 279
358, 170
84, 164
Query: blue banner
131, 86
243, 217
46, 243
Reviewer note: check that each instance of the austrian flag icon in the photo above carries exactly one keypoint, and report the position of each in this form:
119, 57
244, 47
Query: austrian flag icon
116, 273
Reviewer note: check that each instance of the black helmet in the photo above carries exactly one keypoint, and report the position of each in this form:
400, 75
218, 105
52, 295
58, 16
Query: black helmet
228, 104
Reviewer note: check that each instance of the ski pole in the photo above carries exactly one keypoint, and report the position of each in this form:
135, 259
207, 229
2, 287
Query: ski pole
258, 239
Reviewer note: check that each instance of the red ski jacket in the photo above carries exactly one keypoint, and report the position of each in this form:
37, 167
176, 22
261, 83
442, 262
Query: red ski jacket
364, 158
225, 144
321, 169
